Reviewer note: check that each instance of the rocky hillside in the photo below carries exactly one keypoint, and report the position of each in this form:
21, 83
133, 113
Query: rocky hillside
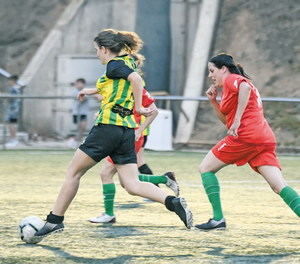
264, 37
24, 25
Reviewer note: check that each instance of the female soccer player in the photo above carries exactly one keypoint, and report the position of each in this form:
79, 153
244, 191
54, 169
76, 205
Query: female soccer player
113, 133
249, 137
109, 169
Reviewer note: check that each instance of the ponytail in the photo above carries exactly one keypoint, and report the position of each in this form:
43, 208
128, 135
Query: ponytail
242, 72
139, 60
132, 42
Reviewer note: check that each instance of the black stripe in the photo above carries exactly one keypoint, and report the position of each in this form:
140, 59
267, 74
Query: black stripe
33, 227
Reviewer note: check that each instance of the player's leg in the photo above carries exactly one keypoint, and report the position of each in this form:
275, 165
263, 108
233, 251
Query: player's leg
208, 167
107, 172
146, 174
168, 179
13, 130
128, 174
80, 163
273, 176
142, 165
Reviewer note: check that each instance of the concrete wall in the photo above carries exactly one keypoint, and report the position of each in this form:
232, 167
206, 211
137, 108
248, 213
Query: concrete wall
153, 25
73, 34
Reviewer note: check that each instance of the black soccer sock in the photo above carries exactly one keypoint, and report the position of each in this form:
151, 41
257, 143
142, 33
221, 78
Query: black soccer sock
168, 203
144, 169
54, 219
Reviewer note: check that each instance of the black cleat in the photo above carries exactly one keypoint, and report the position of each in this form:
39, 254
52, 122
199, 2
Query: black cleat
212, 225
180, 208
49, 229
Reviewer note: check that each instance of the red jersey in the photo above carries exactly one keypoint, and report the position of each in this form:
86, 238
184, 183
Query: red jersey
254, 128
147, 100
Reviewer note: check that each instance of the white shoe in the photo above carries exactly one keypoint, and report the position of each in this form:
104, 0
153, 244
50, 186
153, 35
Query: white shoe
172, 183
104, 218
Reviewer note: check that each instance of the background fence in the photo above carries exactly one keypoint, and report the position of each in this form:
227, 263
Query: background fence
281, 112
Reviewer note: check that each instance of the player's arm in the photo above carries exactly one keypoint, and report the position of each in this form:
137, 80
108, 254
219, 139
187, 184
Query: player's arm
243, 98
148, 120
212, 96
137, 87
86, 91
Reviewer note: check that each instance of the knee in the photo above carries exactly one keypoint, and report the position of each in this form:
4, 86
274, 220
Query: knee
105, 176
73, 175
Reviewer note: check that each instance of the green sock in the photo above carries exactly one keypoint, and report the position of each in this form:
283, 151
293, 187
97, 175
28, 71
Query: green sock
109, 191
153, 179
212, 188
291, 198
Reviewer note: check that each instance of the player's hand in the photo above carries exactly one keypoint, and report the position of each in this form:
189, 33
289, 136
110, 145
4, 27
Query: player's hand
145, 111
138, 134
80, 96
99, 97
232, 131
96, 115
212, 93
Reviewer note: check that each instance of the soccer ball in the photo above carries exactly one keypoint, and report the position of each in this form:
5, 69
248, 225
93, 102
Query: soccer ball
28, 227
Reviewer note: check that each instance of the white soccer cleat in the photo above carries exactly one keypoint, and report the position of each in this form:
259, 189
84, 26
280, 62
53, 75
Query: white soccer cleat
104, 218
172, 183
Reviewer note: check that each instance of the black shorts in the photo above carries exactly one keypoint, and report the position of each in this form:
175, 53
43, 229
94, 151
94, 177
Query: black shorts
81, 118
145, 141
110, 140
12, 120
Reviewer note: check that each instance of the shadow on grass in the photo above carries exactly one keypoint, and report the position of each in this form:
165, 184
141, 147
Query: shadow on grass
125, 206
233, 258
114, 231
110, 231
115, 260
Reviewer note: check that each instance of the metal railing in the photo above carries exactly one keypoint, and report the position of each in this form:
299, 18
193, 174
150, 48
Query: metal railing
167, 99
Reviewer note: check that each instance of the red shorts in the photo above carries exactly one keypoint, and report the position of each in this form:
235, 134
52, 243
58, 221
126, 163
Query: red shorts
232, 151
137, 147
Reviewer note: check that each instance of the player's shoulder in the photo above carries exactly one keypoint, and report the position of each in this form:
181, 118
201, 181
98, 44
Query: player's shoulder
114, 63
234, 80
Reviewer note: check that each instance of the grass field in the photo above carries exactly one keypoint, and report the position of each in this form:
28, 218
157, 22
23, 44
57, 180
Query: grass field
261, 228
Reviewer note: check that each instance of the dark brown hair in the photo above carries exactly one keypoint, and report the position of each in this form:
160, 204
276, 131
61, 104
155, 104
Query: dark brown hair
82, 80
226, 60
119, 41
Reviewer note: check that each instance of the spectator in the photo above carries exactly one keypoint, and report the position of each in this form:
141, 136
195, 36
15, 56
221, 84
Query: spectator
13, 110
80, 111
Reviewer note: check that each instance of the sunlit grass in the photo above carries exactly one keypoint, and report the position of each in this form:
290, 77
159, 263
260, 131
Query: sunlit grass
261, 228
